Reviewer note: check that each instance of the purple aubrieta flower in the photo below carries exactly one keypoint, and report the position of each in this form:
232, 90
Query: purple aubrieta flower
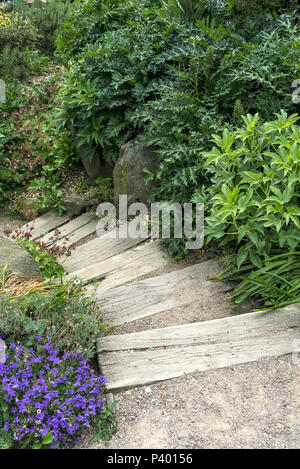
49, 392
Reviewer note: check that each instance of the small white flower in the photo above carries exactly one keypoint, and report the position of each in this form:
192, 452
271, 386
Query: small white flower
76, 281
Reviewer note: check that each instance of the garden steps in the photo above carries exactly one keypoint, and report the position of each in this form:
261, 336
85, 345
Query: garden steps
99, 249
124, 267
75, 230
143, 298
42, 225
146, 357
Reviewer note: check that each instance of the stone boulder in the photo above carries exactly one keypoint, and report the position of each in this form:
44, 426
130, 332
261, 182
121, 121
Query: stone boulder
28, 207
17, 259
128, 173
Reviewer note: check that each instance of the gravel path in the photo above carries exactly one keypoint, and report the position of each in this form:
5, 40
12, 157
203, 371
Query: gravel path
255, 405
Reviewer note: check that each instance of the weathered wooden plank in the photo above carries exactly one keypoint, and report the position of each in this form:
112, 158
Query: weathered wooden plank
98, 250
79, 234
42, 225
225, 329
125, 267
69, 228
161, 293
208, 345
38, 222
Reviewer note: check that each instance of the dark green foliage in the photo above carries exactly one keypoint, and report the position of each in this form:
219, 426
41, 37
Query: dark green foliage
172, 80
46, 17
17, 36
123, 70
50, 268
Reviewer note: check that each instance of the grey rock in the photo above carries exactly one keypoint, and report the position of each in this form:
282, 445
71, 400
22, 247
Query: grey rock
75, 205
127, 175
92, 165
78, 204
28, 207
17, 259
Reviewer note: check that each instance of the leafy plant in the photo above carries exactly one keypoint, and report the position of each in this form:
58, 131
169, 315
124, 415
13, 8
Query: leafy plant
49, 194
97, 99
15, 30
30, 145
106, 426
6, 440
276, 283
45, 442
255, 175
46, 18
100, 187
189, 10
44, 253
72, 321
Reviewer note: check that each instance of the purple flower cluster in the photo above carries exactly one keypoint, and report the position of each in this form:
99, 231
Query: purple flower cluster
49, 392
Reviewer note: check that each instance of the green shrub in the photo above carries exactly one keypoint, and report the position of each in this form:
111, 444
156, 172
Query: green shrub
72, 321
46, 18
16, 31
50, 268
254, 200
17, 35
89, 21
124, 69
30, 144
48, 397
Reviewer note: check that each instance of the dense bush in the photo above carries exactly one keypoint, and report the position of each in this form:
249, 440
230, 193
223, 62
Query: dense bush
254, 204
17, 35
202, 72
111, 78
46, 393
30, 144
46, 17
89, 21
72, 321
15, 30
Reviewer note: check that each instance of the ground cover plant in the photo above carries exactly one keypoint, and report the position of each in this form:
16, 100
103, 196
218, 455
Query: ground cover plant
31, 148
47, 398
17, 37
70, 324
46, 18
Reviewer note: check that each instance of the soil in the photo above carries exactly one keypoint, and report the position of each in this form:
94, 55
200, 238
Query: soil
255, 405
9, 222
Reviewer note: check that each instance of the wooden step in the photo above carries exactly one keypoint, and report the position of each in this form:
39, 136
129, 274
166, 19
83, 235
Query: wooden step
79, 235
128, 303
74, 230
98, 250
124, 267
42, 225
126, 361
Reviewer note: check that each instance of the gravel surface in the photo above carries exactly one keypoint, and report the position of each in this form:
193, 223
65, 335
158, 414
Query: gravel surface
9, 223
255, 405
